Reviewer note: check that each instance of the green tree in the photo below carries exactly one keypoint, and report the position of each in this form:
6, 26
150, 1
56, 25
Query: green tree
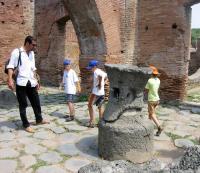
195, 35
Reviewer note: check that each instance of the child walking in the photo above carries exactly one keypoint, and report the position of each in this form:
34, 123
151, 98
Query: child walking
71, 86
152, 88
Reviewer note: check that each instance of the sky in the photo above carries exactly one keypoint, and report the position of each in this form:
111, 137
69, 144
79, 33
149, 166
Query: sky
196, 16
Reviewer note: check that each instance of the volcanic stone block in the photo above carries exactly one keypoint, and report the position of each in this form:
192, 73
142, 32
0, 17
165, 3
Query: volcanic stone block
127, 84
125, 133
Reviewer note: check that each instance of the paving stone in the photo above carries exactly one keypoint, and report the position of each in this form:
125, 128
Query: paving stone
68, 149
7, 126
44, 127
7, 136
83, 120
184, 112
180, 133
88, 146
58, 114
87, 142
52, 144
28, 161
74, 164
64, 122
28, 171
8, 153
44, 135
164, 111
90, 155
162, 137
195, 110
75, 128
50, 169
34, 149
8, 166
51, 157
61, 121
68, 138
18, 123
28, 140
4, 112
183, 143
91, 131
58, 130
8, 144
22, 133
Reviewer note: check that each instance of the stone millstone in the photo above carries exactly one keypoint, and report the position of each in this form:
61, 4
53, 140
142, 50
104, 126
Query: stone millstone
124, 134
129, 138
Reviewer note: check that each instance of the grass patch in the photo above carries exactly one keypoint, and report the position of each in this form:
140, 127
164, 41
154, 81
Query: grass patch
83, 98
193, 97
173, 136
65, 157
195, 141
38, 164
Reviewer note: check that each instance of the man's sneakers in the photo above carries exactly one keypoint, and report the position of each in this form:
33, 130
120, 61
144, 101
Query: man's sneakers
160, 129
69, 118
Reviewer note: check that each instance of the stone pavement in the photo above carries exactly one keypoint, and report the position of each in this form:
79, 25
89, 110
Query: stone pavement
64, 147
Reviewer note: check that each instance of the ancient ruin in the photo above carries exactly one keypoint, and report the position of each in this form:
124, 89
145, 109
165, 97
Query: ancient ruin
125, 134
113, 31
133, 33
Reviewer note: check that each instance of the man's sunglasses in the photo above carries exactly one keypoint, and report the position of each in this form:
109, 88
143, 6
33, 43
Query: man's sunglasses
34, 44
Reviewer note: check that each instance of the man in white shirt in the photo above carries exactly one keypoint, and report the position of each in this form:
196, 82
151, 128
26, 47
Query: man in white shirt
71, 86
26, 82
98, 92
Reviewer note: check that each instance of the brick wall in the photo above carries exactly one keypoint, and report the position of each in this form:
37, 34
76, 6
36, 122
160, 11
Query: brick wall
163, 40
113, 31
16, 22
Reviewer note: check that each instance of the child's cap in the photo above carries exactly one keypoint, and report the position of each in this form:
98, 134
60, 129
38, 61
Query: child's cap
154, 69
92, 64
66, 62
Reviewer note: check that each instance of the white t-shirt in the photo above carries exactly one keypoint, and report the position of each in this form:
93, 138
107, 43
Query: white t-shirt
69, 80
26, 69
98, 72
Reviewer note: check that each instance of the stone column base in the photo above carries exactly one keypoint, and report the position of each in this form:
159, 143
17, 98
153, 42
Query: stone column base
128, 138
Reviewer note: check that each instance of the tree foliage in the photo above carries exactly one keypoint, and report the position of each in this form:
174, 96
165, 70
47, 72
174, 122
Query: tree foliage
195, 34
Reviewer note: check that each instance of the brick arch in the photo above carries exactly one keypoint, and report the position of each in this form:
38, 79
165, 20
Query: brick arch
105, 31
56, 40
190, 2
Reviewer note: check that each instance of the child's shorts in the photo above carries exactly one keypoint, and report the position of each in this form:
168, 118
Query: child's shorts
99, 101
70, 98
151, 106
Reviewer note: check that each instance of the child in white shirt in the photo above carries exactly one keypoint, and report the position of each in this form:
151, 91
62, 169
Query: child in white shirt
98, 92
71, 86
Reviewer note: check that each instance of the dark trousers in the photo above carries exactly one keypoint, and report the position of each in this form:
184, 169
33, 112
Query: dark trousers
31, 92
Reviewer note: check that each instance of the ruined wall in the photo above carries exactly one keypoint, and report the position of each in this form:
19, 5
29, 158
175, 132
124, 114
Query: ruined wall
163, 40
112, 31
16, 22
56, 40
105, 30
